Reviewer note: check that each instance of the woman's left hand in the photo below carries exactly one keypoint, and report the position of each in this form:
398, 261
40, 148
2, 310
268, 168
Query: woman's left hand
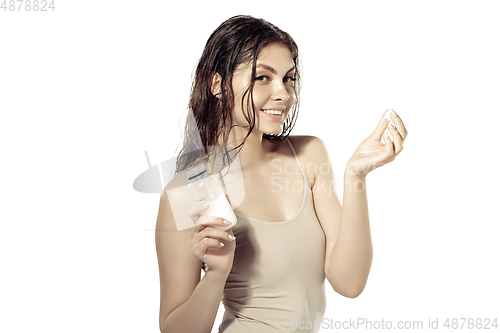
372, 153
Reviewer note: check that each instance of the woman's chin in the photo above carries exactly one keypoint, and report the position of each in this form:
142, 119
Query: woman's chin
273, 131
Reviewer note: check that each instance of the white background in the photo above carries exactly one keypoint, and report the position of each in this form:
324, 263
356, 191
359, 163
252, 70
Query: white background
87, 88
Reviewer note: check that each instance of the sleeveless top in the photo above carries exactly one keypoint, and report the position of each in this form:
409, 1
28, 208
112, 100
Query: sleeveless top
277, 280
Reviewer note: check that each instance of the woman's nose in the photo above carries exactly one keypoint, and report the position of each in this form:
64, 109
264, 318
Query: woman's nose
280, 93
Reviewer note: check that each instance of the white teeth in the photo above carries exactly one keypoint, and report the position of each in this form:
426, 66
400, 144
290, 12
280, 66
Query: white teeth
272, 111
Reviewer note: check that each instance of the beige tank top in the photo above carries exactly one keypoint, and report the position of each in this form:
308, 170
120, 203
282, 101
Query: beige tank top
277, 280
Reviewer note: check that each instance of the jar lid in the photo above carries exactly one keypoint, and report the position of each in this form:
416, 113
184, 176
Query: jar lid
196, 171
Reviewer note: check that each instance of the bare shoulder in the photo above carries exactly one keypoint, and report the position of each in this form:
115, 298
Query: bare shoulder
311, 152
306, 143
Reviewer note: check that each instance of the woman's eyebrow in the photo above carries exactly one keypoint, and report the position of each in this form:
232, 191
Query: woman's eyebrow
272, 70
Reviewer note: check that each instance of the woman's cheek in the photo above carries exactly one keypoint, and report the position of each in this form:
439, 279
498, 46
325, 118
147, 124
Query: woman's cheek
259, 96
291, 99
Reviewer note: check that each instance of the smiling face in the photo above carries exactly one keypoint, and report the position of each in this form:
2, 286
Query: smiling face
273, 91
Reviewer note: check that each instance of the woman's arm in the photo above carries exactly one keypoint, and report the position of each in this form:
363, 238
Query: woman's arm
186, 304
348, 241
349, 249
351, 257
198, 313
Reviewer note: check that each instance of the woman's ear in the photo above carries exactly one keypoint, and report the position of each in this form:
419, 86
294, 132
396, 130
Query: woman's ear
216, 83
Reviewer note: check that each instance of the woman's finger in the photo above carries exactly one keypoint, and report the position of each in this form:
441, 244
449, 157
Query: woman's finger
389, 147
399, 125
196, 210
202, 247
377, 134
396, 139
210, 232
211, 221
202, 222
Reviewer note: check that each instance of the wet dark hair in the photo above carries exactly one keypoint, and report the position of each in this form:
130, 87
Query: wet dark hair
236, 41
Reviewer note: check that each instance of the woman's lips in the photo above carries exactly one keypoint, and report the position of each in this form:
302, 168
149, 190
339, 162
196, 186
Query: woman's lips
273, 114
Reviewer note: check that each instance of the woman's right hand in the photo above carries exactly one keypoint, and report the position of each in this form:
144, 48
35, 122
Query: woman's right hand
206, 241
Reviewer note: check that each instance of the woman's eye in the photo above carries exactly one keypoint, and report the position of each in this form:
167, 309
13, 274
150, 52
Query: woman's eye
287, 79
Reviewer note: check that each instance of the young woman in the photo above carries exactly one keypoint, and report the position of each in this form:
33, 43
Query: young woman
292, 233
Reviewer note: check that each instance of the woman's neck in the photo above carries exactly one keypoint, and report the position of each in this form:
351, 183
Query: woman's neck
255, 149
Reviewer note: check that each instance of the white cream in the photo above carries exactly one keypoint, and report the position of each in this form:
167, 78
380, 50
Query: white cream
221, 208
